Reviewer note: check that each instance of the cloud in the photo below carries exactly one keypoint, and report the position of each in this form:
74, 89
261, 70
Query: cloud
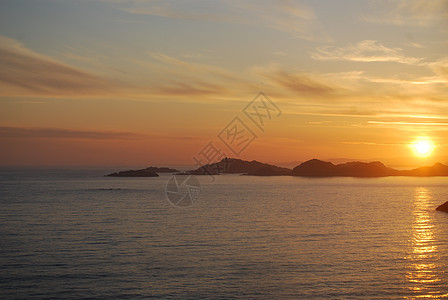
355, 93
414, 45
8, 132
440, 68
88, 58
189, 89
404, 123
194, 68
279, 53
288, 16
373, 143
24, 72
59, 133
284, 15
418, 81
408, 12
194, 79
365, 51
299, 83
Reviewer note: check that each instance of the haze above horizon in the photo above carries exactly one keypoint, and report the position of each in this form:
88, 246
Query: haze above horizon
130, 82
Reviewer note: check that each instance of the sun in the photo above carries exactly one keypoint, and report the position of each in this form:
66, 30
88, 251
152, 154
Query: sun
423, 147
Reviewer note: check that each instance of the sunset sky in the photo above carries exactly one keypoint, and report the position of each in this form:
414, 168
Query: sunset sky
135, 82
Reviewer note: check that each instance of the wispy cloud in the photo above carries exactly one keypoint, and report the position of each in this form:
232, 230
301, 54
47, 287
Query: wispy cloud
298, 83
87, 58
440, 68
408, 12
189, 89
373, 143
195, 79
284, 15
365, 51
414, 82
405, 123
9, 132
60, 133
194, 68
414, 45
356, 93
24, 72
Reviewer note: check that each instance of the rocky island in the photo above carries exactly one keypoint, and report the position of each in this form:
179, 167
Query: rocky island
239, 166
148, 172
443, 207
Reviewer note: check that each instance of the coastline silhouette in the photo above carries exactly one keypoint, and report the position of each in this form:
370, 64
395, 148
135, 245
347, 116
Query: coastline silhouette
310, 168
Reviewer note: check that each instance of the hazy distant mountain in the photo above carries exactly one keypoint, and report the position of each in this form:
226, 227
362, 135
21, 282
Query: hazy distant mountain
437, 169
148, 172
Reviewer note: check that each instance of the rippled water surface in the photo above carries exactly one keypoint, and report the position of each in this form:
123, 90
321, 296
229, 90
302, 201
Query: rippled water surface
76, 234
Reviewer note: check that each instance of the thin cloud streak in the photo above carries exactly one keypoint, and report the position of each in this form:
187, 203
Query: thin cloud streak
415, 13
374, 143
440, 67
59, 133
287, 16
297, 83
409, 123
25, 72
365, 51
9, 132
195, 68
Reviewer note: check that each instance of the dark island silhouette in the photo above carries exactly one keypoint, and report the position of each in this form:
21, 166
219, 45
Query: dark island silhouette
319, 168
314, 168
239, 166
148, 172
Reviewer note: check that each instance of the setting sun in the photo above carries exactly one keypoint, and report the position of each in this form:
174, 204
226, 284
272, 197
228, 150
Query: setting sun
423, 147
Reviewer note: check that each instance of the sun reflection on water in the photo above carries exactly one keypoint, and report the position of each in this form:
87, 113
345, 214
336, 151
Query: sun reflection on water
423, 273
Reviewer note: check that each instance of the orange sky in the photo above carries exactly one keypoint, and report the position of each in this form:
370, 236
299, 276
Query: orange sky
152, 83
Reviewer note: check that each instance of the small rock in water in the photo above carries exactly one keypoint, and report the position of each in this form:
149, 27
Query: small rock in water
443, 207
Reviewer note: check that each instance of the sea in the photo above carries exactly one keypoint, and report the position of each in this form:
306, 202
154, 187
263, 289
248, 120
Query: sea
75, 234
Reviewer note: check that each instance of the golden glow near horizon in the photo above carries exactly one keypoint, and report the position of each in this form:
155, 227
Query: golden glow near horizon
423, 147
136, 82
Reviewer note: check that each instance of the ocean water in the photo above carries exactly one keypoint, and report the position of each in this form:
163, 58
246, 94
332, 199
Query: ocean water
76, 234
